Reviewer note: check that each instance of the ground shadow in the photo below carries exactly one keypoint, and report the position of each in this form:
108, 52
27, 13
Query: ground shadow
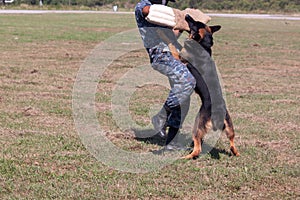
141, 135
214, 152
149, 136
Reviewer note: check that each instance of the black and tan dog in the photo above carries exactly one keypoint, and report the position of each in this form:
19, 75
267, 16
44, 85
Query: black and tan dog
202, 34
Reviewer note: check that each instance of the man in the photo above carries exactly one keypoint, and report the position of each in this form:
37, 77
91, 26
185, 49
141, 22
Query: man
181, 80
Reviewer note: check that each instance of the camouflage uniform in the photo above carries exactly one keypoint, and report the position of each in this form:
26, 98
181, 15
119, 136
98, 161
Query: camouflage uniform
181, 80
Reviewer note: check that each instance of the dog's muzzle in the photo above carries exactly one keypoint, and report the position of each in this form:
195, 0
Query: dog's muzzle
207, 42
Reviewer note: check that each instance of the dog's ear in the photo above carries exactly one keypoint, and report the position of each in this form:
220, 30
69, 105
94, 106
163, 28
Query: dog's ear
215, 28
190, 21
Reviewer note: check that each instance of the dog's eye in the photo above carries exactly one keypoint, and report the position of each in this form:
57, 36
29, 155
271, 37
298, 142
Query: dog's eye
197, 37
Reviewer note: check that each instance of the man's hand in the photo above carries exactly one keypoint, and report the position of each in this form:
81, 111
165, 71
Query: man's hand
145, 11
177, 33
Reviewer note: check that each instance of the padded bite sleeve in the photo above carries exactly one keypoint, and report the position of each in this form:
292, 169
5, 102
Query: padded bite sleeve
161, 15
174, 18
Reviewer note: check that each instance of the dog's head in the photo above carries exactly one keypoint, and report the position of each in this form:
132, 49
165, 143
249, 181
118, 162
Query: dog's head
201, 33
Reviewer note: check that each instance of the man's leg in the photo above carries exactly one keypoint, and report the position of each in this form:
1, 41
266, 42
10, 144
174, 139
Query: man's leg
159, 121
182, 85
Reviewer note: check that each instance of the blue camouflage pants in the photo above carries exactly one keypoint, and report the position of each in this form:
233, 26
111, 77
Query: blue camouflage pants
181, 81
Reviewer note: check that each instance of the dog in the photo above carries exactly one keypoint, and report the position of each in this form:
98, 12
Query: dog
202, 34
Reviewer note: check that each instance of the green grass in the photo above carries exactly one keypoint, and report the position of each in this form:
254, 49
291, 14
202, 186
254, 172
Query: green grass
25, 28
42, 156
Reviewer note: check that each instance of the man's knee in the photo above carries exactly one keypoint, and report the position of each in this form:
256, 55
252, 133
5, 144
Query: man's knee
174, 119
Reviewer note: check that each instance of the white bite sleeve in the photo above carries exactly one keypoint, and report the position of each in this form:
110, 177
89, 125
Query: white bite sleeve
161, 15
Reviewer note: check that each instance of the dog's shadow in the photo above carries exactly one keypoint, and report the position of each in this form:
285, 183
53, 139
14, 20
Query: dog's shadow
148, 136
214, 152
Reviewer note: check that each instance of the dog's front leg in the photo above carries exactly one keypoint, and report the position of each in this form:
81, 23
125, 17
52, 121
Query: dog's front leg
171, 46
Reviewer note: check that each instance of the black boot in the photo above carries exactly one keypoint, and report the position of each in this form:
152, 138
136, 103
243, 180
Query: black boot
159, 121
172, 143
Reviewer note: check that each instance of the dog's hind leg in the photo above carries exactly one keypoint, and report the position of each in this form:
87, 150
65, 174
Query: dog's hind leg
230, 133
198, 133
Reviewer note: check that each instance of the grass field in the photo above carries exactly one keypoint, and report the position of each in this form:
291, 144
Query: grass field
42, 156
